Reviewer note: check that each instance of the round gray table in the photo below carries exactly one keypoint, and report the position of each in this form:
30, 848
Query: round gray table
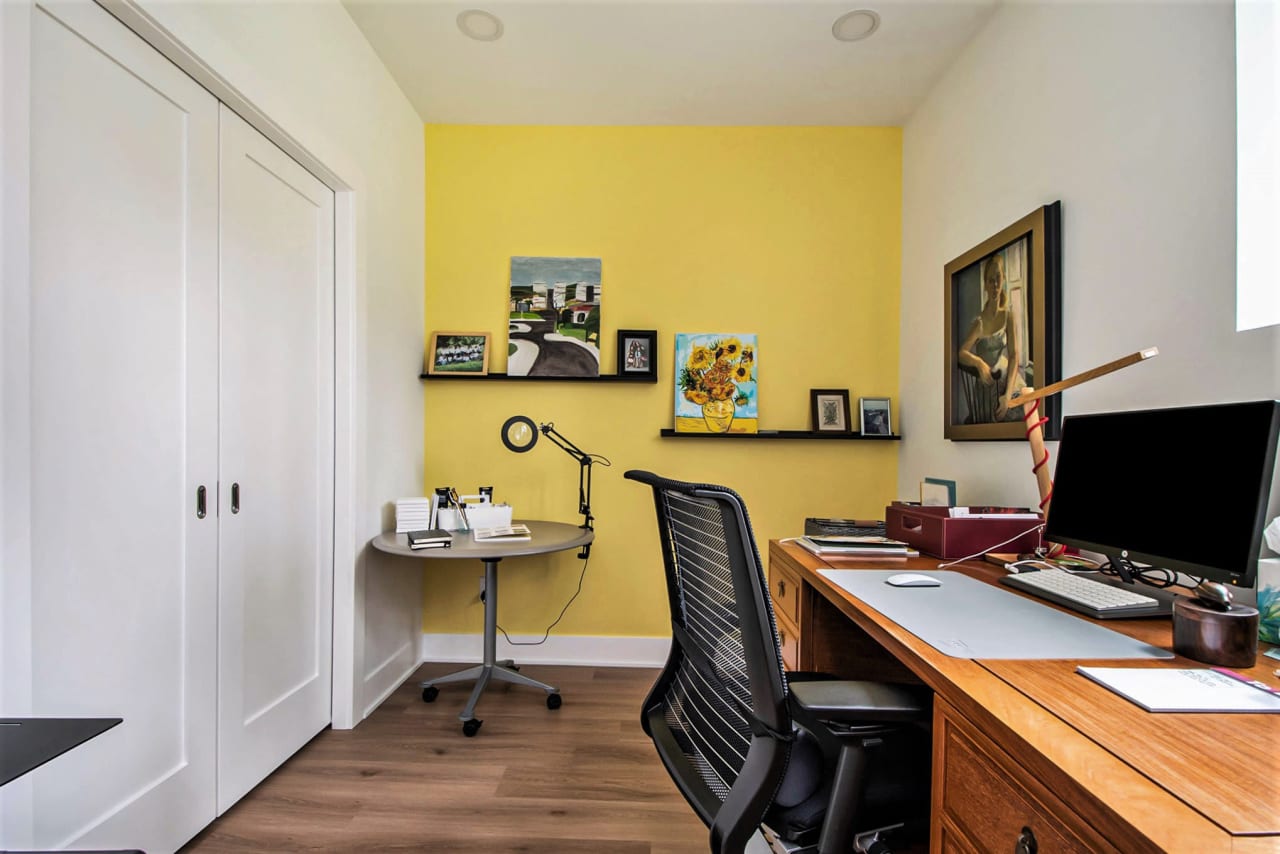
545, 537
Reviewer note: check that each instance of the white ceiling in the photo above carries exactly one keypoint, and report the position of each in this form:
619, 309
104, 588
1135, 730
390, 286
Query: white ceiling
633, 62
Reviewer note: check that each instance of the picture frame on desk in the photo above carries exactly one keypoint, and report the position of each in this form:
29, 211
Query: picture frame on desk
1003, 329
638, 353
458, 353
873, 416
829, 410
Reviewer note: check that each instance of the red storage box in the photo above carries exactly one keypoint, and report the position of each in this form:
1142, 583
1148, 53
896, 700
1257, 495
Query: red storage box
934, 531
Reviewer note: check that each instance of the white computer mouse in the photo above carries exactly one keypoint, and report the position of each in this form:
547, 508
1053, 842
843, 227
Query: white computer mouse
913, 579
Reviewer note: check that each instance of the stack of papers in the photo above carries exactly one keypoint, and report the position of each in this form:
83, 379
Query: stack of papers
1191, 690
993, 513
412, 514
503, 533
848, 546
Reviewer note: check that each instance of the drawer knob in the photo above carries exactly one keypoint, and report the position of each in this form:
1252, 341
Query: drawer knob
1026, 842
782, 587
782, 636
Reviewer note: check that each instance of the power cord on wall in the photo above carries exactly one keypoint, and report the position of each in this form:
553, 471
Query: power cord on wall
585, 563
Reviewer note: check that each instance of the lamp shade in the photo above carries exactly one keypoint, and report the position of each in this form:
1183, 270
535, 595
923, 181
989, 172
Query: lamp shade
519, 433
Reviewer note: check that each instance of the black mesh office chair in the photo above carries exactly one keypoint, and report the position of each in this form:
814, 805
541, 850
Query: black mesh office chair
819, 762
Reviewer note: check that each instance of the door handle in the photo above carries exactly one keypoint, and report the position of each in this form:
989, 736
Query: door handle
200, 502
235, 498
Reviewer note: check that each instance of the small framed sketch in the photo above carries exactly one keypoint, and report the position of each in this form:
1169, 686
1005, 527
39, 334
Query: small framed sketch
937, 492
874, 412
638, 353
458, 353
830, 410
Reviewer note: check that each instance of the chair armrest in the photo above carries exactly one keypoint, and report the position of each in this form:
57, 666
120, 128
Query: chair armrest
862, 702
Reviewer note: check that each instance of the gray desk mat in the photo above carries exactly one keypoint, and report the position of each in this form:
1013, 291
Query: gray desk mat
965, 618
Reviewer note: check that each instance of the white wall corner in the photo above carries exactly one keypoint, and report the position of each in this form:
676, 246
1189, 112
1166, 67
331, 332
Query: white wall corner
576, 650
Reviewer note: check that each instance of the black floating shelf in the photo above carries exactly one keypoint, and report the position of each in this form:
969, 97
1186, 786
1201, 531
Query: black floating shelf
780, 434
603, 378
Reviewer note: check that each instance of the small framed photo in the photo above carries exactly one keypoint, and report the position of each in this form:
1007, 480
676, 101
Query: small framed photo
458, 353
937, 492
638, 353
875, 416
830, 410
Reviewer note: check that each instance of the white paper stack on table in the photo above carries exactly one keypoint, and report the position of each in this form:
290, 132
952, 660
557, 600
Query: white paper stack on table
503, 533
412, 514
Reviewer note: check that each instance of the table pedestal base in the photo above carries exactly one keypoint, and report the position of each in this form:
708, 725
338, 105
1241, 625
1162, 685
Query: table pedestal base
491, 669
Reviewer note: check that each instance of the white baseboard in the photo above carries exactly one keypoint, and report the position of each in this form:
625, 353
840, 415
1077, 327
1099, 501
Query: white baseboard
578, 650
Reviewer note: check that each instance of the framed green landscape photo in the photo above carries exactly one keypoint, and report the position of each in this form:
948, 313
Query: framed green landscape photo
458, 353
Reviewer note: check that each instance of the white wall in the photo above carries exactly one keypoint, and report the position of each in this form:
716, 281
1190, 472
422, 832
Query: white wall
1125, 112
308, 67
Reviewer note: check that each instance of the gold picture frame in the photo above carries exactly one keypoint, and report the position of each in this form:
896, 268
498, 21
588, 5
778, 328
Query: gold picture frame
458, 354
1003, 329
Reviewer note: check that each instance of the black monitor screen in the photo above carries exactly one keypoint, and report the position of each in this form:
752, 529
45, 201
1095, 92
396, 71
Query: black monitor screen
1184, 489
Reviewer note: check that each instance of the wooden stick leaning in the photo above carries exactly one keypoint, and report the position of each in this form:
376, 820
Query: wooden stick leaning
1029, 394
1029, 400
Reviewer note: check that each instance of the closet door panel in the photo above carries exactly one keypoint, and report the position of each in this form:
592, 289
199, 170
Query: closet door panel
276, 439
123, 431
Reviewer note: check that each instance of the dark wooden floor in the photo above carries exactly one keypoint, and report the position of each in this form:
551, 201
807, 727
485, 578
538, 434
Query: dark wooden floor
583, 778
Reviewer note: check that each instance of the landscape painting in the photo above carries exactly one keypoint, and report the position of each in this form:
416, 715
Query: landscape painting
554, 326
716, 383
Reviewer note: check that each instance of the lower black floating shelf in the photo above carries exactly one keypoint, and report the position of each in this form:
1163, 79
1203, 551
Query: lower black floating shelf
780, 434
602, 378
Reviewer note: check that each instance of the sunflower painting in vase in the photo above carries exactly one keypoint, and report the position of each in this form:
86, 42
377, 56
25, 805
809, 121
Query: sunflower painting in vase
716, 383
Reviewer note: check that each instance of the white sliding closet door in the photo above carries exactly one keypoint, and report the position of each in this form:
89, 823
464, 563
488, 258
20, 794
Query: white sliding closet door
276, 458
123, 430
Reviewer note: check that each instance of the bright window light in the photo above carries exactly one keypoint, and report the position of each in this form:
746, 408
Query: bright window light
1257, 163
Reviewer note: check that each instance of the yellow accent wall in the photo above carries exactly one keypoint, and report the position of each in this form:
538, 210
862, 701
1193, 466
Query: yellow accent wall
793, 233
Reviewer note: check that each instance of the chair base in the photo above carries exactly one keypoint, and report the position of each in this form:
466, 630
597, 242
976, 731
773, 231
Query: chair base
864, 843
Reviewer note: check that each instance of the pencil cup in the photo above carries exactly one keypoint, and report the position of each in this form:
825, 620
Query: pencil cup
1226, 638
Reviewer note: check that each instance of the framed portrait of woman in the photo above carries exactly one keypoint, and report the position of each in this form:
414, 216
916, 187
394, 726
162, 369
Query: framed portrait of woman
1003, 329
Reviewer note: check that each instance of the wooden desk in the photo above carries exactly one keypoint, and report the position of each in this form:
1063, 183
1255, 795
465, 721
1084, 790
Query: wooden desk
1031, 744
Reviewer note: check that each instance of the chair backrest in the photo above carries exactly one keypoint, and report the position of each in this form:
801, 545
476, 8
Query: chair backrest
718, 713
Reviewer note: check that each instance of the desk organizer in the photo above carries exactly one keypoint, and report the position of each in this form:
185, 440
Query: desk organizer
934, 531
483, 515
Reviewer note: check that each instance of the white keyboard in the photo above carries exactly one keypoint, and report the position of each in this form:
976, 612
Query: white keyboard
1068, 589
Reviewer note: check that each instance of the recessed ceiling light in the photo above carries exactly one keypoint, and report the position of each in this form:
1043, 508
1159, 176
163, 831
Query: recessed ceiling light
855, 26
480, 25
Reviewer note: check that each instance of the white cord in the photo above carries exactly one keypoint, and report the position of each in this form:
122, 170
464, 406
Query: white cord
1039, 527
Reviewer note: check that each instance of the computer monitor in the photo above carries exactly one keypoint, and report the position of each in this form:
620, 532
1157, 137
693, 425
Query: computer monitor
1182, 489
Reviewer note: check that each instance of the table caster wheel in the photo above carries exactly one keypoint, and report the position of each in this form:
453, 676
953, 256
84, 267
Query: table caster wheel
430, 693
471, 727
553, 701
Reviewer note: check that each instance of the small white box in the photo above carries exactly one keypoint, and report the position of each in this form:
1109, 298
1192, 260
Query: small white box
478, 516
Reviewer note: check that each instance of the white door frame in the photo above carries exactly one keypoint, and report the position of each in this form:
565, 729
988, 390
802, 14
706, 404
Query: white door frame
344, 178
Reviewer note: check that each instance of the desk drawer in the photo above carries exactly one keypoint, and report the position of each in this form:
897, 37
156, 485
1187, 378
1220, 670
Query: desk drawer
985, 802
784, 588
789, 638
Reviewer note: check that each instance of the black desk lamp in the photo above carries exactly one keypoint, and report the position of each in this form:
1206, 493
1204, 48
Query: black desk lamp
520, 434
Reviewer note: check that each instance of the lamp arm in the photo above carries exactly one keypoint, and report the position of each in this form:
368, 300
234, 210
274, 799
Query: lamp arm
584, 471
549, 430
